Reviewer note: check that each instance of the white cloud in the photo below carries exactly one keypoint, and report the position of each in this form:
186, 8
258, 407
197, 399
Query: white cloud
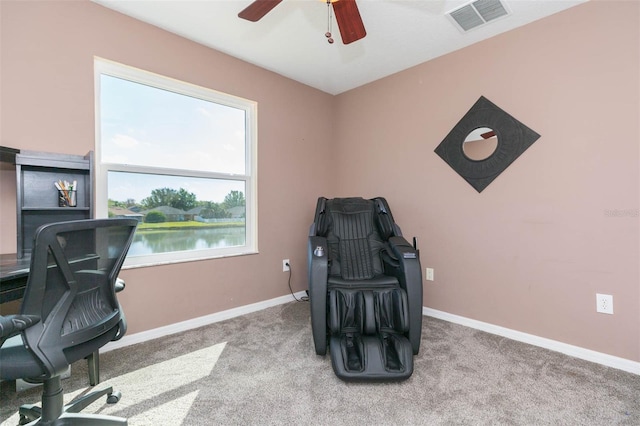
205, 112
125, 141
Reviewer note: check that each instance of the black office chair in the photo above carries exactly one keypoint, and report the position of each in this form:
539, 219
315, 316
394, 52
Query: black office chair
69, 311
365, 289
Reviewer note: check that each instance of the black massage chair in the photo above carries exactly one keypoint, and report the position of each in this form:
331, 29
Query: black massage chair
365, 289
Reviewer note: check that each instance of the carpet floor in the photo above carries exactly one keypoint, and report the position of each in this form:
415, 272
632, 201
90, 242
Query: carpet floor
261, 369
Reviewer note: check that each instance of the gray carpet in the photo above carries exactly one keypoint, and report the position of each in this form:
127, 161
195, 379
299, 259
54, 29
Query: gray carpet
267, 373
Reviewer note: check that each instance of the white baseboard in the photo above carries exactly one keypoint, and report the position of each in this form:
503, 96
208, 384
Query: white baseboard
574, 351
132, 339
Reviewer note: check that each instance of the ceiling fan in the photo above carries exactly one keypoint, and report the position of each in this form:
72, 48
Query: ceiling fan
346, 11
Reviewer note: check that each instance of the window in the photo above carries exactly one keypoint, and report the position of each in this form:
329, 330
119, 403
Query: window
181, 159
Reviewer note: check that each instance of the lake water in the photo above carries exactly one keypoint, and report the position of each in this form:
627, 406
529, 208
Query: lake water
145, 243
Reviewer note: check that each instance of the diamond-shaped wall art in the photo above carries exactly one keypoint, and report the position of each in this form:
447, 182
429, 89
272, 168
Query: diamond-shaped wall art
513, 139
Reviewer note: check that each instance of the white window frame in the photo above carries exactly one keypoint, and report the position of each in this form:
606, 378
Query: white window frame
114, 69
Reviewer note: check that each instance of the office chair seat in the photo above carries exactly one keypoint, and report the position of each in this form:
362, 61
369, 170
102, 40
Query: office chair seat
18, 362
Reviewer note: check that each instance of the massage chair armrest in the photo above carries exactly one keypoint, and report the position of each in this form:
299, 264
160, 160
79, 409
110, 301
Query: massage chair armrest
409, 272
401, 248
318, 274
402, 260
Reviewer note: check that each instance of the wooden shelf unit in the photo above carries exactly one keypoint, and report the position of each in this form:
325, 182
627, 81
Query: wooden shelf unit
37, 196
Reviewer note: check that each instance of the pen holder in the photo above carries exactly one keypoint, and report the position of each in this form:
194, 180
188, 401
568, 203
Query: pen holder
67, 198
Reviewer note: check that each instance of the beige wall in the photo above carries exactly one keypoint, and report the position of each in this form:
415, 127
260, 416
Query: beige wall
48, 105
528, 253
531, 251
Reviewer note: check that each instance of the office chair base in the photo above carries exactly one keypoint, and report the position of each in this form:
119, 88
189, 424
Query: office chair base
82, 420
23, 385
31, 413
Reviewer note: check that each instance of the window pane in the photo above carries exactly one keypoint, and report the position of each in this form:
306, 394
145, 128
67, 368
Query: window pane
147, 126
181, 159
179, 213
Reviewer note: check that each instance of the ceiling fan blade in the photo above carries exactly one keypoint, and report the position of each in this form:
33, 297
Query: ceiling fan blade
256, 10
349, 20
488, 135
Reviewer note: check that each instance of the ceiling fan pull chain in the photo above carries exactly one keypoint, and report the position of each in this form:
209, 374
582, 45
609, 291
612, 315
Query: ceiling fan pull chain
328, 33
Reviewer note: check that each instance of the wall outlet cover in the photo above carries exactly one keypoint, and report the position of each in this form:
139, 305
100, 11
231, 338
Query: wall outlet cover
429, 274
604, 303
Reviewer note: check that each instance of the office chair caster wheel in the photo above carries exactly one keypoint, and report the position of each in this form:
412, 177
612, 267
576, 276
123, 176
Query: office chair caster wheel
114, 397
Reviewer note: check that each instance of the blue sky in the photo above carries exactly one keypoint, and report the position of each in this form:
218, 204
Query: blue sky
147, 126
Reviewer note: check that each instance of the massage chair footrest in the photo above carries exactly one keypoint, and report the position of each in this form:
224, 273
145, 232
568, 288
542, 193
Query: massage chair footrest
383, 357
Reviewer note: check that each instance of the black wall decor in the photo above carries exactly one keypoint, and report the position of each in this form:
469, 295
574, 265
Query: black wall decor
513, 139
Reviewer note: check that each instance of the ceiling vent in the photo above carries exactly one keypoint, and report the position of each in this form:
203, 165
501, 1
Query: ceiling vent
478, 13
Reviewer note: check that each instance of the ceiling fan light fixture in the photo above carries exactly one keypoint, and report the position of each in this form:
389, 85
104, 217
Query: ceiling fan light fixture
347, 17
329, 19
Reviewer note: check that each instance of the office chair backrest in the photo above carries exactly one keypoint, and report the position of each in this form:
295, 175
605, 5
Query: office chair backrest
71, 287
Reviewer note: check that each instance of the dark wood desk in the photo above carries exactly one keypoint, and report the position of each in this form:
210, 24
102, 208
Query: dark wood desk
8, 155
14, 274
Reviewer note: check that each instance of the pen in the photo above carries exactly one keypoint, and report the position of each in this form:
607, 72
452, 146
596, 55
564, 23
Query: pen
63, 187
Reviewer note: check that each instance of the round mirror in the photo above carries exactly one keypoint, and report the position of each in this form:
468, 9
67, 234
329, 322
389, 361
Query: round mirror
480, 143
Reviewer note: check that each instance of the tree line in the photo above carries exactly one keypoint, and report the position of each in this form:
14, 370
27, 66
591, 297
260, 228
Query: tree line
185, 200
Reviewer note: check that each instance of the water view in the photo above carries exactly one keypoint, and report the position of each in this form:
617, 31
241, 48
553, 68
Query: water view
161, 241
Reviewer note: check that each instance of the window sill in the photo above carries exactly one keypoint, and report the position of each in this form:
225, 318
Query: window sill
152, 263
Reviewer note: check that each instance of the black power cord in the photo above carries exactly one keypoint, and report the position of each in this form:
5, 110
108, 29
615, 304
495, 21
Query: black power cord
303, 298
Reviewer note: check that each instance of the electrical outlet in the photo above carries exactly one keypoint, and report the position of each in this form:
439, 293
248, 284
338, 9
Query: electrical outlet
286, 266
429, 274
604, 303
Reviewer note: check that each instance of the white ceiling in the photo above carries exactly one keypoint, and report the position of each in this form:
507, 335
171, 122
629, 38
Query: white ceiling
290, 39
